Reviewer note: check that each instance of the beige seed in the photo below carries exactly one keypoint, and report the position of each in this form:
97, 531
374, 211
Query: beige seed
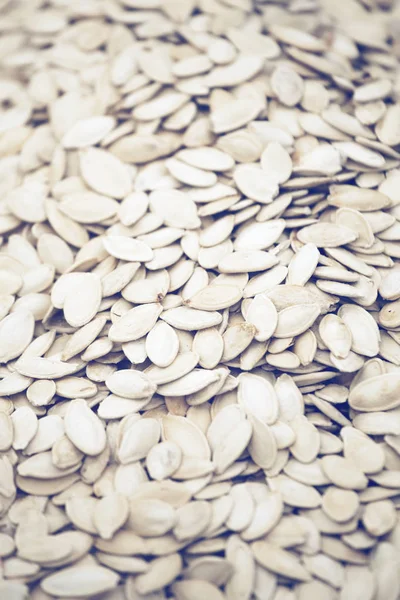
215, 297
279, 561
208, 344
88, 132
130, 384
362, 450
303, 265
16, 332
294, 492
297, 37
88, 207
192, 520
255, 183
151, 517
6, 431
236, 339
162, 344
160, 107
135, 323
307, 443
210, 159
41, 466
104, 173
136, 440
262, 447
343, 473
44, 368
287, 85
335, 335
340, 505
230, 449
82, 301
276, 162
259, 236
376, 394
327, 235
246, 261
187, 436
86, 580
184, 363
258, 398
84, 428
379, 517
190, 175
295, 320
163, 460
193, 382
162, 571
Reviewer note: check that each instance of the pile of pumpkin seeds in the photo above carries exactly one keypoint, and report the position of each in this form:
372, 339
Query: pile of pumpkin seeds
200, 299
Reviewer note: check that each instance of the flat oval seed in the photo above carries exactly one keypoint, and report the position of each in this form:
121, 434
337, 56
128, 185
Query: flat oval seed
215, 297
295, 320
127, 248
209, 345
16, 332
130, 384
340, 505
135, 323
83, 301
379, 517
162, 344
343, 473
163, 460
335, 335
376, 393
279, 561
86, 580
105, 173
84, 428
